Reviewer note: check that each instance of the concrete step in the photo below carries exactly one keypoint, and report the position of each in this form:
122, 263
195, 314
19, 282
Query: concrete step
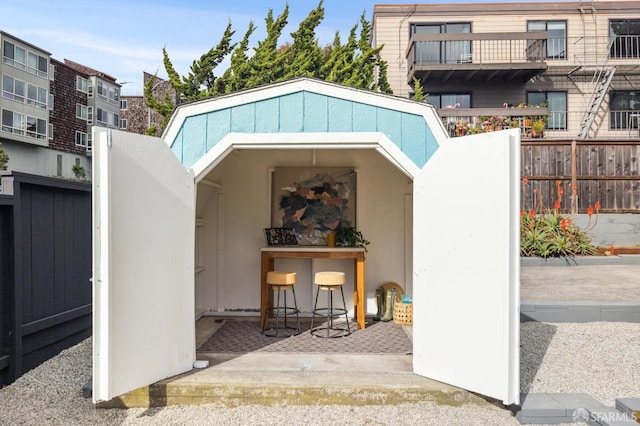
298, 379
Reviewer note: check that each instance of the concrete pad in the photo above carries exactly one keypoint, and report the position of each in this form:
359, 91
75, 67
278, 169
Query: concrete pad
562, 311
298, 379
556, 408
592, 283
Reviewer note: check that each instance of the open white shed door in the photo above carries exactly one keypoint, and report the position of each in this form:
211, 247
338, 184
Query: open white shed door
143, 268
466, 265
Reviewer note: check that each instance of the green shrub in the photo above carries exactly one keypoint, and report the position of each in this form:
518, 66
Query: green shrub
549, 233
4, 159
79, 171
552, 235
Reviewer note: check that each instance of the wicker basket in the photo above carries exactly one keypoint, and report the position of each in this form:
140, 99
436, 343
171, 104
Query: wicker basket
402, 312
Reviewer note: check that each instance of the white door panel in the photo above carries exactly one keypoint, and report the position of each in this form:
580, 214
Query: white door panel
144, 224
466, 265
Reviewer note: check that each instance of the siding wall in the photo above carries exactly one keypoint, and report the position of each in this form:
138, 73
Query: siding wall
63, 116
45, 266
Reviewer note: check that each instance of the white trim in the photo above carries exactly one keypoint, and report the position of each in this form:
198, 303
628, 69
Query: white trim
363, 140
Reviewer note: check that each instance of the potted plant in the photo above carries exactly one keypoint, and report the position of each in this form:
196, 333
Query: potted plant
498, 122
461, 127
350, 237
537, 127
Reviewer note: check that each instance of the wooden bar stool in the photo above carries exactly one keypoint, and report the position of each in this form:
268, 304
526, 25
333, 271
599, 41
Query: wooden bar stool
330, 281
282, 282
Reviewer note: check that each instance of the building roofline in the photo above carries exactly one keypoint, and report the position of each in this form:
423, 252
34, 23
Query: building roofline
88, 70
549, 8
25, 42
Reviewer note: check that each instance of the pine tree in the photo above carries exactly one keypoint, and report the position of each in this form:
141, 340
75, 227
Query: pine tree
354, 63
418, 94
267, 64
304, 57
366, 61
164, 107
237, 75
201, 80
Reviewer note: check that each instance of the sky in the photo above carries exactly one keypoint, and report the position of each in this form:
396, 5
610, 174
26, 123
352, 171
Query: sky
124, 38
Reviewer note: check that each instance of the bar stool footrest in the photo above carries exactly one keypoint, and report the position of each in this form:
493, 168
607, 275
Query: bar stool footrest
274, 331
330, 332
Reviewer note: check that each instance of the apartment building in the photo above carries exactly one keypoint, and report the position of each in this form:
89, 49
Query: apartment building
576, 65
48, 108
103, 100
136, 116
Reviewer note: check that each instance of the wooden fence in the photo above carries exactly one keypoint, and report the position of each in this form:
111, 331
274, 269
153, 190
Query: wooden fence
45, 267
601, 171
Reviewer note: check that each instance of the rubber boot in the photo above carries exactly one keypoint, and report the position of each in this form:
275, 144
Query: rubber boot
380, 302
388, 305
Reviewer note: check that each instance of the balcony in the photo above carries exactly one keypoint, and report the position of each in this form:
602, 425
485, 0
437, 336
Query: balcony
487, 57
477, 56
615, 125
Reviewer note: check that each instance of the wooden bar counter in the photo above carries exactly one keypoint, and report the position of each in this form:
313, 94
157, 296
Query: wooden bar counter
269, 254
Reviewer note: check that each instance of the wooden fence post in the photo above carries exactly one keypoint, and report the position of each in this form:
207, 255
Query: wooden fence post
574, 178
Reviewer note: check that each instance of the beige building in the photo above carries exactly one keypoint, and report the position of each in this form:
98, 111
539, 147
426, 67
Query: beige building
502, 63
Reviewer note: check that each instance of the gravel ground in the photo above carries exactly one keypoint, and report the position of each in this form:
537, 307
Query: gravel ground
597, 358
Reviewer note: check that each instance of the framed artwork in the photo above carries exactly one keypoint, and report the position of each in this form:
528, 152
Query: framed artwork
313, 201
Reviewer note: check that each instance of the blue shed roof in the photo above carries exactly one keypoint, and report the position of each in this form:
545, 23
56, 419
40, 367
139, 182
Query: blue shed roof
304, 106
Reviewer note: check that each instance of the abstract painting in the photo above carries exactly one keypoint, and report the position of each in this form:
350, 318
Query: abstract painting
313, 201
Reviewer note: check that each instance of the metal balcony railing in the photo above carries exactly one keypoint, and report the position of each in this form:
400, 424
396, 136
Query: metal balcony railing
476, 48
425, 50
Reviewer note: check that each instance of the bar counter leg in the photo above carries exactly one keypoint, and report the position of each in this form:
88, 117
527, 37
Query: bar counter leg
266, 264
359, 297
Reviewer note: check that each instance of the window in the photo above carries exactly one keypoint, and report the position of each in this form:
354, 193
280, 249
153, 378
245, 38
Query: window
123, 123
51, 101
556, 45
81, 111
449, 100
82, 84
36, 127
12, 88
12, 122
90, 115
52, 72
37, 96
556, 103
50, 131
623, 106
81, 138
123, 104
102, 90
624, 38
101, 116
442, 52
13, 55
37, 64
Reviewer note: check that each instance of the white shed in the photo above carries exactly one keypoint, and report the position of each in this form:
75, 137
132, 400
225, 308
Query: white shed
178, 227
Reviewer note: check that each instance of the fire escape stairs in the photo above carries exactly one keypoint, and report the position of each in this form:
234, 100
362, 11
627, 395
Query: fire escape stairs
602, 79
